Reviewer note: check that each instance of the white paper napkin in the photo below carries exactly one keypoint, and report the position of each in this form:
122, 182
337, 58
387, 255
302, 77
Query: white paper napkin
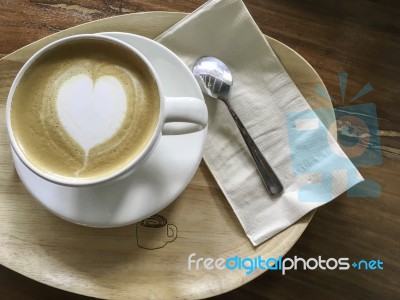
309, 162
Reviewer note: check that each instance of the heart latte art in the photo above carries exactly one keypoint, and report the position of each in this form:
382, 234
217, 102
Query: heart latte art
85, 109
91, 112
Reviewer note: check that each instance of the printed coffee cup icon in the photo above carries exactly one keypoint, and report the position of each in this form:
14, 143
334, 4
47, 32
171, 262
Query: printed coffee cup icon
154, 233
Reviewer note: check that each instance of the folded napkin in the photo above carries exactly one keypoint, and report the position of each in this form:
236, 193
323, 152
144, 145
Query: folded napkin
307, 159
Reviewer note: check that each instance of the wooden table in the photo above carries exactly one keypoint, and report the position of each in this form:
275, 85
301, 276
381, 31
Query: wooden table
360, 38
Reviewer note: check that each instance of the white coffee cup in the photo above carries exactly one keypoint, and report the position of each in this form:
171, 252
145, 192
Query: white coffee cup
172, 109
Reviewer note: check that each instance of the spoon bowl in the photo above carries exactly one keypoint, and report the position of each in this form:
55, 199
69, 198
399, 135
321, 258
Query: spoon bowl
214, 77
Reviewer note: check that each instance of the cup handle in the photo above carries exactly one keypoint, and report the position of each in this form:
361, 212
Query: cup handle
172, 232
185, 109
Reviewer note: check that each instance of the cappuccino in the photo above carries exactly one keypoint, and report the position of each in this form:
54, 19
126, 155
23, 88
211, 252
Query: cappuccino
85, 109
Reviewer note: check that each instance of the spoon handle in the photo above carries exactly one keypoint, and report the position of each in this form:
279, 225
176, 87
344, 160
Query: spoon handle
268, 176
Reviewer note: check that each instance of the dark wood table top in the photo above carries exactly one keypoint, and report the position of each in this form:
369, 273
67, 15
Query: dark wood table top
360, 38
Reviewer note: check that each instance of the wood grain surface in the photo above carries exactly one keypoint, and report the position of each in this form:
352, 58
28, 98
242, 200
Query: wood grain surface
358, 37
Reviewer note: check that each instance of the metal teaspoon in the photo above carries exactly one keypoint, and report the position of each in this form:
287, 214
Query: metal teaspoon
216, 80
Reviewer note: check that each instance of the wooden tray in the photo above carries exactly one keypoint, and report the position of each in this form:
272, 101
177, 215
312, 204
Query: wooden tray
135, 261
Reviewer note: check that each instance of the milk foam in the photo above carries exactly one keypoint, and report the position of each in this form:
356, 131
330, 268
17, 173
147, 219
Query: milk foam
91, 111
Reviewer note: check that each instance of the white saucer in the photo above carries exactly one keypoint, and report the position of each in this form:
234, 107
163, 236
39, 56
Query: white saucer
158, 182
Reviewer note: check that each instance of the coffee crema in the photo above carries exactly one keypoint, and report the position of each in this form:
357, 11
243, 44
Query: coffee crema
55, 113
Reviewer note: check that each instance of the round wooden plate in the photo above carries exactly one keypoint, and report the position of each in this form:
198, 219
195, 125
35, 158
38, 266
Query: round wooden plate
136, 261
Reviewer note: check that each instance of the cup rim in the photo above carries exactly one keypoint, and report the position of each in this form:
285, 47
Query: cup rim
70, 181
